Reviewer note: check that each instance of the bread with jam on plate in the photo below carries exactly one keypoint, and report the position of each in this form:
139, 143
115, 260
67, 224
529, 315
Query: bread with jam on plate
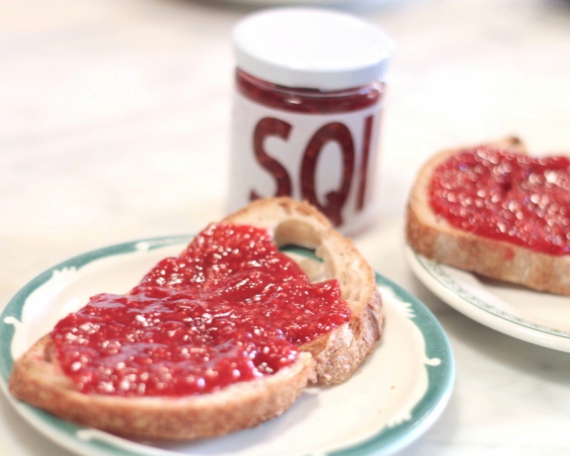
221, 338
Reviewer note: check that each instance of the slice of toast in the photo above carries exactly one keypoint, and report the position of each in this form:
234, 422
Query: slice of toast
434, 237
38, 379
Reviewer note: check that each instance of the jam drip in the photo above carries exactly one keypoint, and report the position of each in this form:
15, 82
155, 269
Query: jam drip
506, 196
230, 308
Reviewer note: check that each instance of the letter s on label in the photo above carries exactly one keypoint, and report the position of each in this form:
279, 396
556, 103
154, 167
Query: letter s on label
269, 126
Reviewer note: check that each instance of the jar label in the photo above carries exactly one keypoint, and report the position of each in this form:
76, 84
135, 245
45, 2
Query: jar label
326, 159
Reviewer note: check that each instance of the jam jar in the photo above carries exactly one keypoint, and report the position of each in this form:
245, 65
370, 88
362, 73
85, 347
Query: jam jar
309, 91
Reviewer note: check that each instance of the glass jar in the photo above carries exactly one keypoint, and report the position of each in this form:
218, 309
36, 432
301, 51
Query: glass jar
306, 112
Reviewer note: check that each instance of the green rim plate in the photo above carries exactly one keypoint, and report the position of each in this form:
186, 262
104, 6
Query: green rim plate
507, 308
387, 441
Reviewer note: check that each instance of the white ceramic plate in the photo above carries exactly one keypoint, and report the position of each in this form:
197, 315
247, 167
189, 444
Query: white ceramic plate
540, 318
395, 396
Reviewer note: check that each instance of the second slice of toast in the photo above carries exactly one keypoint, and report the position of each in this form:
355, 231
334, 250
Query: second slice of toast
434, 237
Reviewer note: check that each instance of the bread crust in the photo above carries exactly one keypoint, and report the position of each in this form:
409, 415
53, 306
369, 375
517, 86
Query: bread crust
433, 237
38, 379
338, 353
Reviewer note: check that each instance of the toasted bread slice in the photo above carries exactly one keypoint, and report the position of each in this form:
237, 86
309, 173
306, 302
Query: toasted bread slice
38, 379
433, 237
338, 353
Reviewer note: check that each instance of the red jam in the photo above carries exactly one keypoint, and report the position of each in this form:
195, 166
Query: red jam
506, 196
312, 101
230, 308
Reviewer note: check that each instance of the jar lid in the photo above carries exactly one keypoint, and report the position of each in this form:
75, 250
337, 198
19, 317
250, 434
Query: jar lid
311, 48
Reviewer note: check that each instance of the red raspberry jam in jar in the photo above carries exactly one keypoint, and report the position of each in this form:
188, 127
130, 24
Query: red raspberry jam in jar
506, 196
307, 105
230, 308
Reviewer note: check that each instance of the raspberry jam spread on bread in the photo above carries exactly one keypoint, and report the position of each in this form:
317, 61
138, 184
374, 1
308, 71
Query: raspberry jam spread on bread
506, 196
230, 308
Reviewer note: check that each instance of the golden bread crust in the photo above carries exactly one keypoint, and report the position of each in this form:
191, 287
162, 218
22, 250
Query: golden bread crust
433, 237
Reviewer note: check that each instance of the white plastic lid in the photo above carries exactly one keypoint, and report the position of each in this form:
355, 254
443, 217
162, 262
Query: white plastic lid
311, 48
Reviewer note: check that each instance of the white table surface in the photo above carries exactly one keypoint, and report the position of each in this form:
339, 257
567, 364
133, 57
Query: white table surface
114, 126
